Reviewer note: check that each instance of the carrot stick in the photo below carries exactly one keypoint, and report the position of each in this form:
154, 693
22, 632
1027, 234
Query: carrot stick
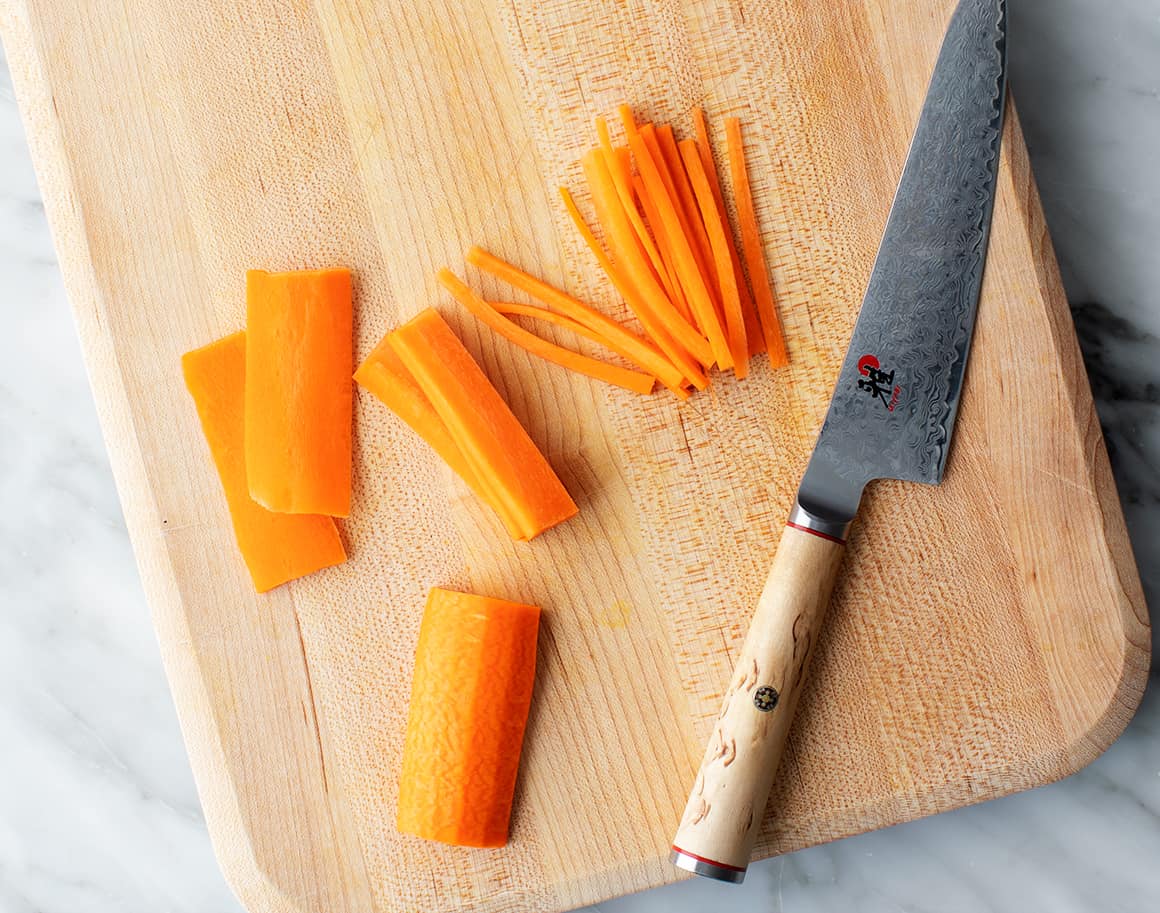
536, 345
619, 338
753, 334
752, 247
676, 293
475, 666
534, 311
688, 204
503, 456
275, 547
731, 299
700, 300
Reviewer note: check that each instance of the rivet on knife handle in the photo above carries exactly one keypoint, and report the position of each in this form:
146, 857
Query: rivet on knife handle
727, 803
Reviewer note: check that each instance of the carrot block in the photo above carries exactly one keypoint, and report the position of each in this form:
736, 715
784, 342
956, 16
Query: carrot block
298, 390
384, 375
549, 351
752, 247
494, 443
275, 547
753, 334
718, 241
475, 668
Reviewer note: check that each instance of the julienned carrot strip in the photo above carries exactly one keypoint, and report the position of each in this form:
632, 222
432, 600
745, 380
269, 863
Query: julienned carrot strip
535, 312
673, 287
536, 345
753, 334
299, 350
675, 336
717, 234
619, 338
275, 547
385, 376
688, 202
674, 379
700, 300
752, 247
492, 439
475, 667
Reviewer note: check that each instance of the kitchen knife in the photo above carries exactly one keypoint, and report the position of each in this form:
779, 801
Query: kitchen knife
890, 417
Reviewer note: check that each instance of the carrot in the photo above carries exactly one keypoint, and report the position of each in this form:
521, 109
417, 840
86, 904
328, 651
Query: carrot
700, 301
384, 376
535, 312
536, 345
494, 443
688, 204
675, 336
298, 390
475, 666
753, 334
676, 293
752, 247
619, 338
730, 298
275, 547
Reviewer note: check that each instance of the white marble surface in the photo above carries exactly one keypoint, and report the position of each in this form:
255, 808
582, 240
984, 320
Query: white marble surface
98, 812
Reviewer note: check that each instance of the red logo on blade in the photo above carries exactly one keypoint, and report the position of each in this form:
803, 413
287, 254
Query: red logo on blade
878, 383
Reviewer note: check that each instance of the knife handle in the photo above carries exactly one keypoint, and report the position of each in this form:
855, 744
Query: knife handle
728, 800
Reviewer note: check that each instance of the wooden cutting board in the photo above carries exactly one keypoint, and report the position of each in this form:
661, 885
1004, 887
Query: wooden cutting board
987, 636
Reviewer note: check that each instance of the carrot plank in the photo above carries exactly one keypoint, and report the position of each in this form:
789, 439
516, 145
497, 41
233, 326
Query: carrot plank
276, 548
298, 390
475, 667
536, 345
493, 441
752, 247
717, 234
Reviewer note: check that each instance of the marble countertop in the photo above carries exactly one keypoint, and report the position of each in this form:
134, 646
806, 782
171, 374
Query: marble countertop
98, 812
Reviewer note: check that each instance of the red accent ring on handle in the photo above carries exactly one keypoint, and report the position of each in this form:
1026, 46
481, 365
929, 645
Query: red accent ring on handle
814, 532
720, 865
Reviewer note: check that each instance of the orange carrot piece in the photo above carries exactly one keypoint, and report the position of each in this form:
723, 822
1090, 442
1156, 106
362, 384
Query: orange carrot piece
753, 334
385, 376
676, 336
299, 354
275, 547
700, 301
475, 666
536, 345
752, 247
717, 234
617, 337
673, 287
688, 206
492, 439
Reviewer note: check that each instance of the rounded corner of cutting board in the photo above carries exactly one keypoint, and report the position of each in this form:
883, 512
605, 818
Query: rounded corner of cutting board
251, 886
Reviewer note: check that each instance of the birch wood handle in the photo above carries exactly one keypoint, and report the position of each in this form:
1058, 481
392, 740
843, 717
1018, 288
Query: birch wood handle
726, 806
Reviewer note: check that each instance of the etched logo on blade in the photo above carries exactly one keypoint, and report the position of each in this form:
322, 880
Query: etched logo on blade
878, 382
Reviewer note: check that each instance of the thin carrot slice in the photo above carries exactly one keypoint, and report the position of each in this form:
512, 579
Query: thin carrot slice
700, 300
752, 247
619, 338
688, 203
475, 667
299, 351
385, 376
275, 547
676, 293
731, 300
536, 345
753, 334
637, 284
492, 439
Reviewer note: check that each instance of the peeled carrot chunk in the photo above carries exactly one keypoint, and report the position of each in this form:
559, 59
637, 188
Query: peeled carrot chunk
536, 345
753, 334
494, 443
298, 390
752, 247
475, 667
275, 547
384, 375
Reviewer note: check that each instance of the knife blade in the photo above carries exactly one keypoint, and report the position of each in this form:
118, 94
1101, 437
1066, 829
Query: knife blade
891, 416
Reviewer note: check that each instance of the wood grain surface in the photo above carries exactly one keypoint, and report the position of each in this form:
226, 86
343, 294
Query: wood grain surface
985, 636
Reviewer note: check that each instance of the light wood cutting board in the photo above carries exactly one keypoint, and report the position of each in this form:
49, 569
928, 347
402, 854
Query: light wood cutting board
987, 636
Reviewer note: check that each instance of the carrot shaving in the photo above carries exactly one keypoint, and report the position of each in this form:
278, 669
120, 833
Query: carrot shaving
752, 247
617, 337
536, 345
716, 233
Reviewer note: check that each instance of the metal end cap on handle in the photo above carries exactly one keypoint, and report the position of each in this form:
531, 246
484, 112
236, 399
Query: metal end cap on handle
707, 868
